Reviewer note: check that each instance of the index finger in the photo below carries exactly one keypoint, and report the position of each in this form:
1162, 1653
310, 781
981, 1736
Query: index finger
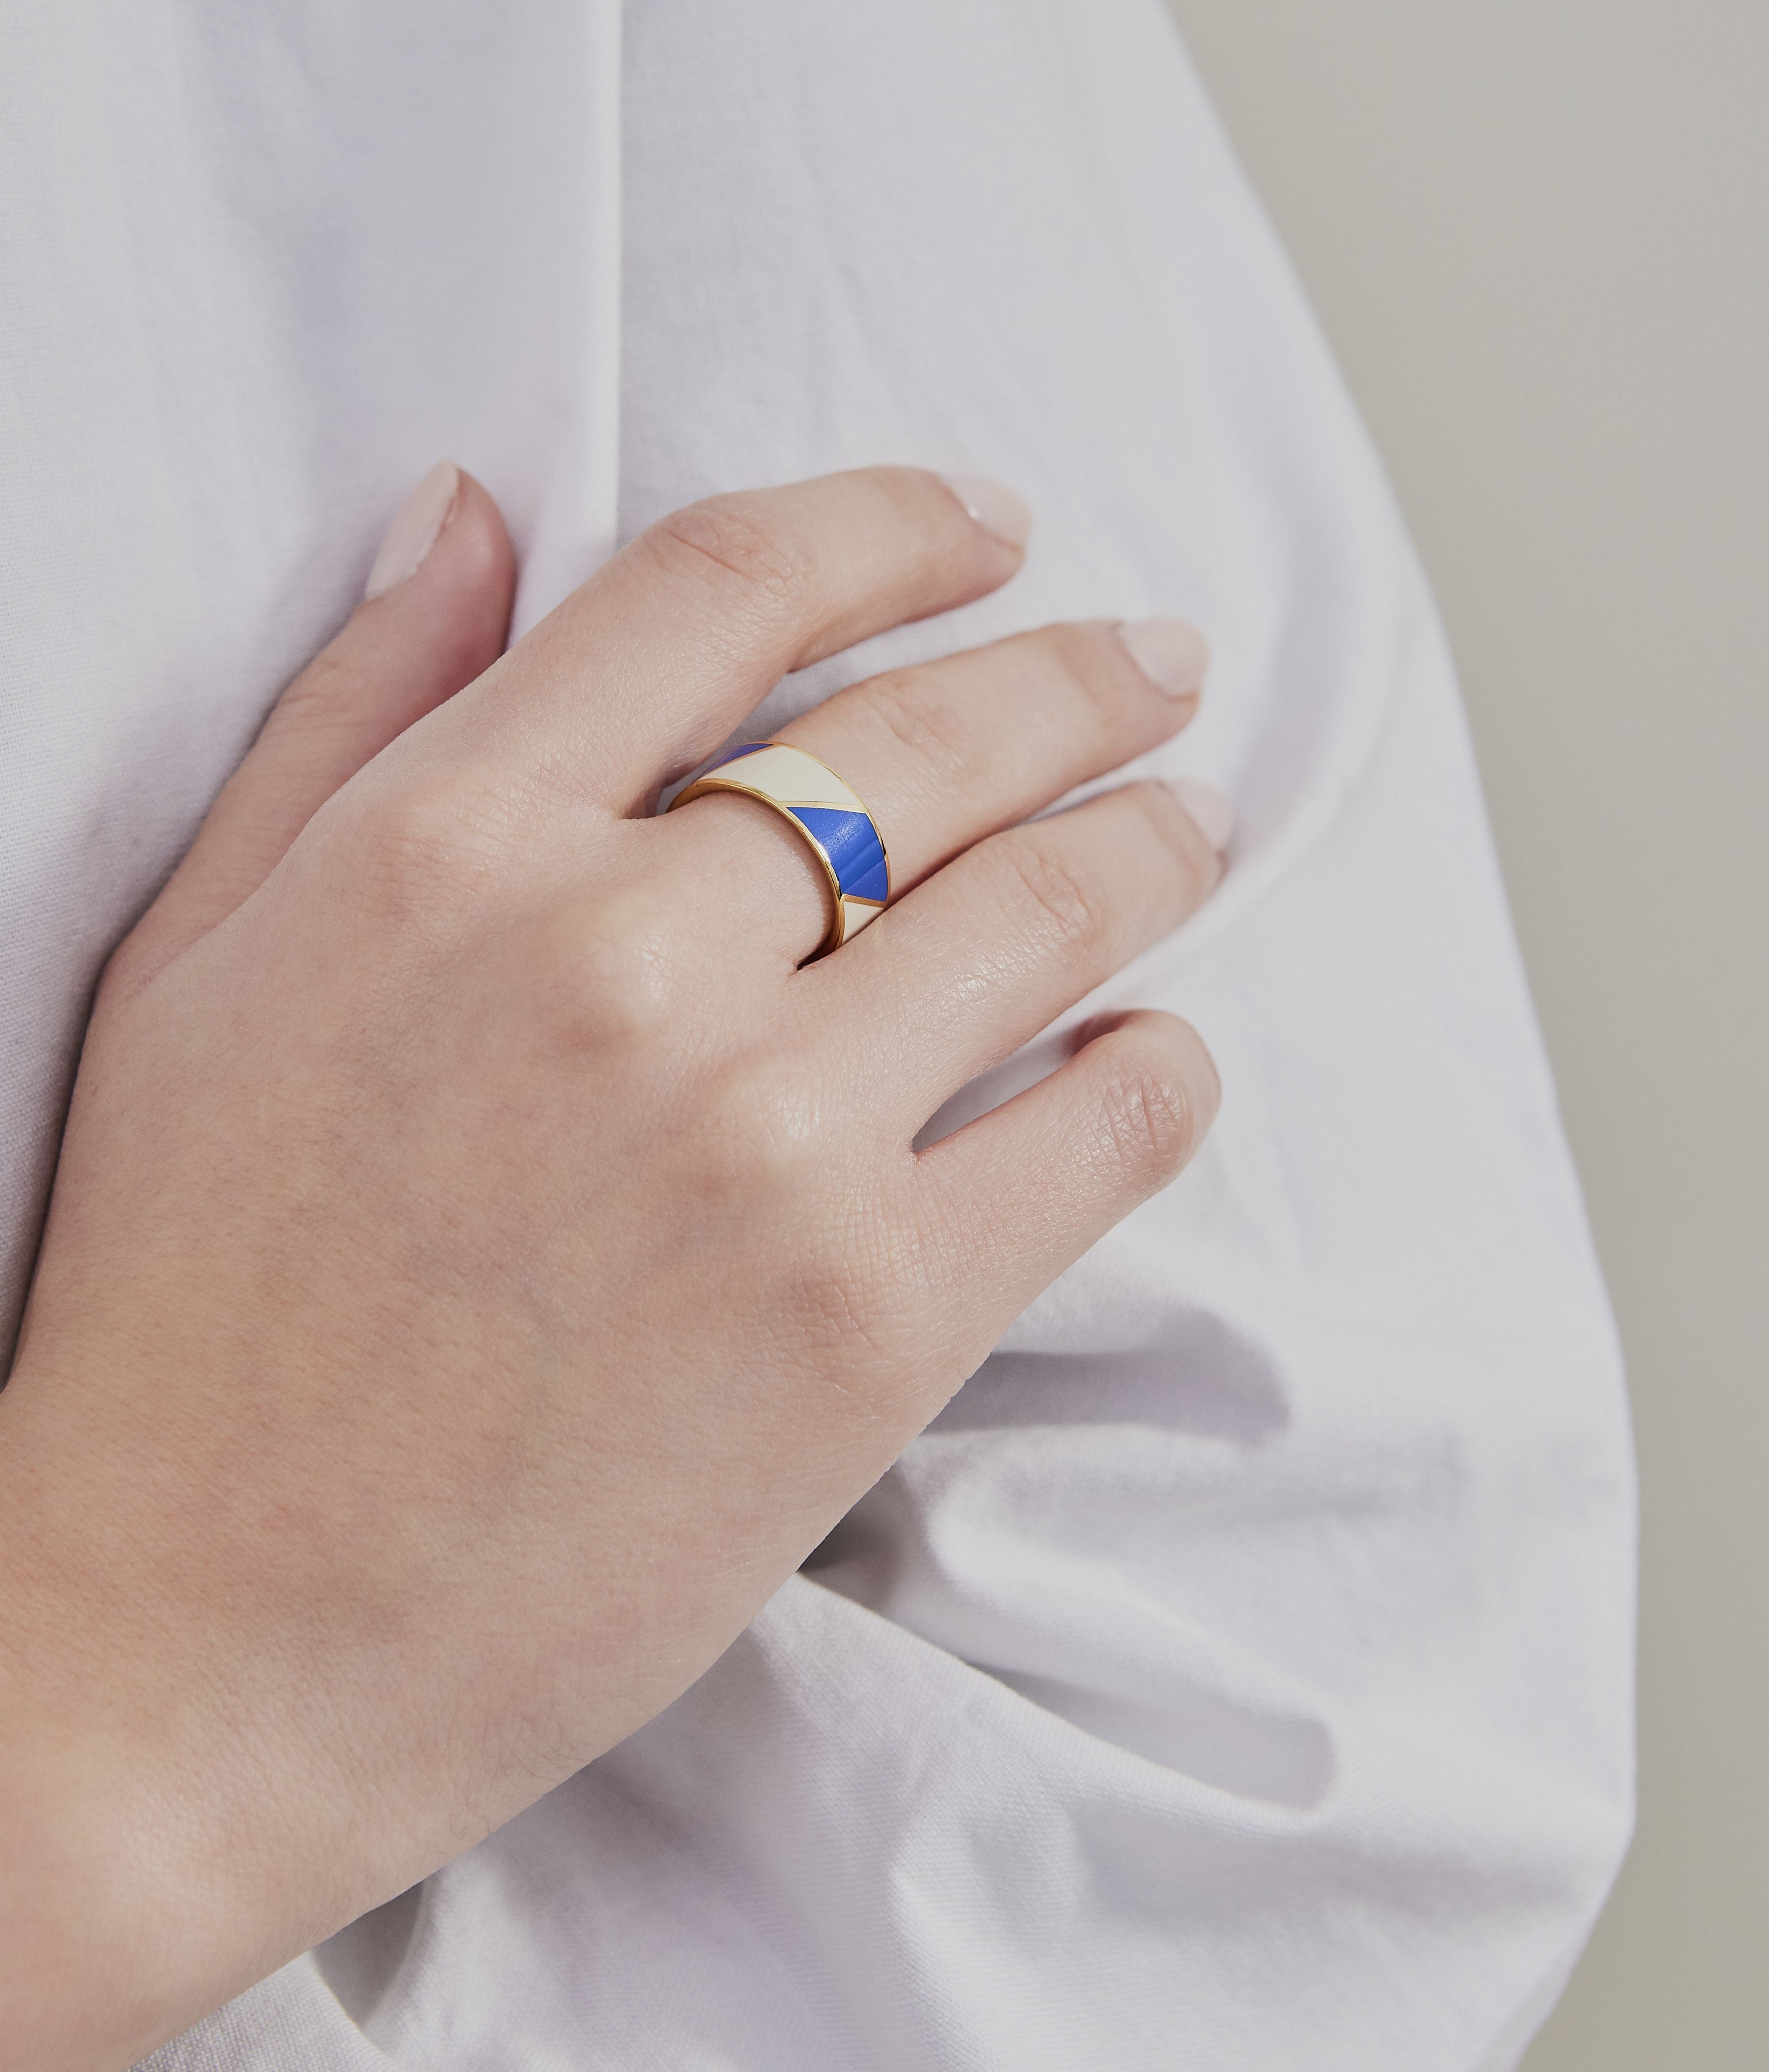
645, 668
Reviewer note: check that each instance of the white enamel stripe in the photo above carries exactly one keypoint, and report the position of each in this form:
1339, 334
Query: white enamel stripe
789, 777
854, 915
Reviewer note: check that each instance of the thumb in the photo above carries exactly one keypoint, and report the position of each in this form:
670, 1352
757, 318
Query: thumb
434, 616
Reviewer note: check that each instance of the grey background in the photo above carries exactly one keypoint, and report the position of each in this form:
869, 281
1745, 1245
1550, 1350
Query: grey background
1537, 234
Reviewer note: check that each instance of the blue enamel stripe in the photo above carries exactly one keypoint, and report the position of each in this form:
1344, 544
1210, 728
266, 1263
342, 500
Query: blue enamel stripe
749, 748
852, 843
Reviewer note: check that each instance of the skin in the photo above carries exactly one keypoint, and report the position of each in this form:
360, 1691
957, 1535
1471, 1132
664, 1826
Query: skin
483, 1263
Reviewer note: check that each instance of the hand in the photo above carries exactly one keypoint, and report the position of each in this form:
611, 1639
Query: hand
483, 1263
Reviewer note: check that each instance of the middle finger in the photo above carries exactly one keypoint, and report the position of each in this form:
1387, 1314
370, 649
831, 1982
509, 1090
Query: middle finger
945, 753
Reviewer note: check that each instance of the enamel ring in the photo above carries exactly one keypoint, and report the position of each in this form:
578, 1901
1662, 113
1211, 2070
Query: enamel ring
842, 834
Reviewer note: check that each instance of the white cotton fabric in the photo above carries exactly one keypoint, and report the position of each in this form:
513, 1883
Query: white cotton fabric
1237, 1674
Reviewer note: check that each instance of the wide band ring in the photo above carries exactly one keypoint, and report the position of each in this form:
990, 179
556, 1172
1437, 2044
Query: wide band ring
842, 834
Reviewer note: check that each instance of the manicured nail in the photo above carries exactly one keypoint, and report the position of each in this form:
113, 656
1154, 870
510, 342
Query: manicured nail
995, 507
1171, 654
414, 529
1209, 806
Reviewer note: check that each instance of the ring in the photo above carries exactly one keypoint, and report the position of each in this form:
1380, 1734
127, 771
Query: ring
838, 828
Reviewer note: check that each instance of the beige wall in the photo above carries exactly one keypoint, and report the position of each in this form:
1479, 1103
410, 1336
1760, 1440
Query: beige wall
1537, 231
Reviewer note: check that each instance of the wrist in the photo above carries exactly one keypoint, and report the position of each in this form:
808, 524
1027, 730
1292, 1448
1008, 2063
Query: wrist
115, 1931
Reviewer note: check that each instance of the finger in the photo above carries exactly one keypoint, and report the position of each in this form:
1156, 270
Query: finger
691, 625
948, 752
992, 948
435, 615
1021, 1193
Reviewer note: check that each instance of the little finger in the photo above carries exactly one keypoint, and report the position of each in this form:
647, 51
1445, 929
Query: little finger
1019, 1195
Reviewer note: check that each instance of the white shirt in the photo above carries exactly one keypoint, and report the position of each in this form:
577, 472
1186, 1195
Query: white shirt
1237, 1674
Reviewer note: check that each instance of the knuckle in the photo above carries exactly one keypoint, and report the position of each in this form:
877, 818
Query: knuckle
420, 851
1147, 1112
326, 697
1051, 893
911, 706
759, 1129
607, 970
740, 548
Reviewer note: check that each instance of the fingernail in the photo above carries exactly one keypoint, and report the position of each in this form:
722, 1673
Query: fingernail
995, 507
1209, 806
1170, 653
416, 524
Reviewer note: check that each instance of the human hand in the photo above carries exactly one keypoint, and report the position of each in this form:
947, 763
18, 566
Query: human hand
484, 1261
